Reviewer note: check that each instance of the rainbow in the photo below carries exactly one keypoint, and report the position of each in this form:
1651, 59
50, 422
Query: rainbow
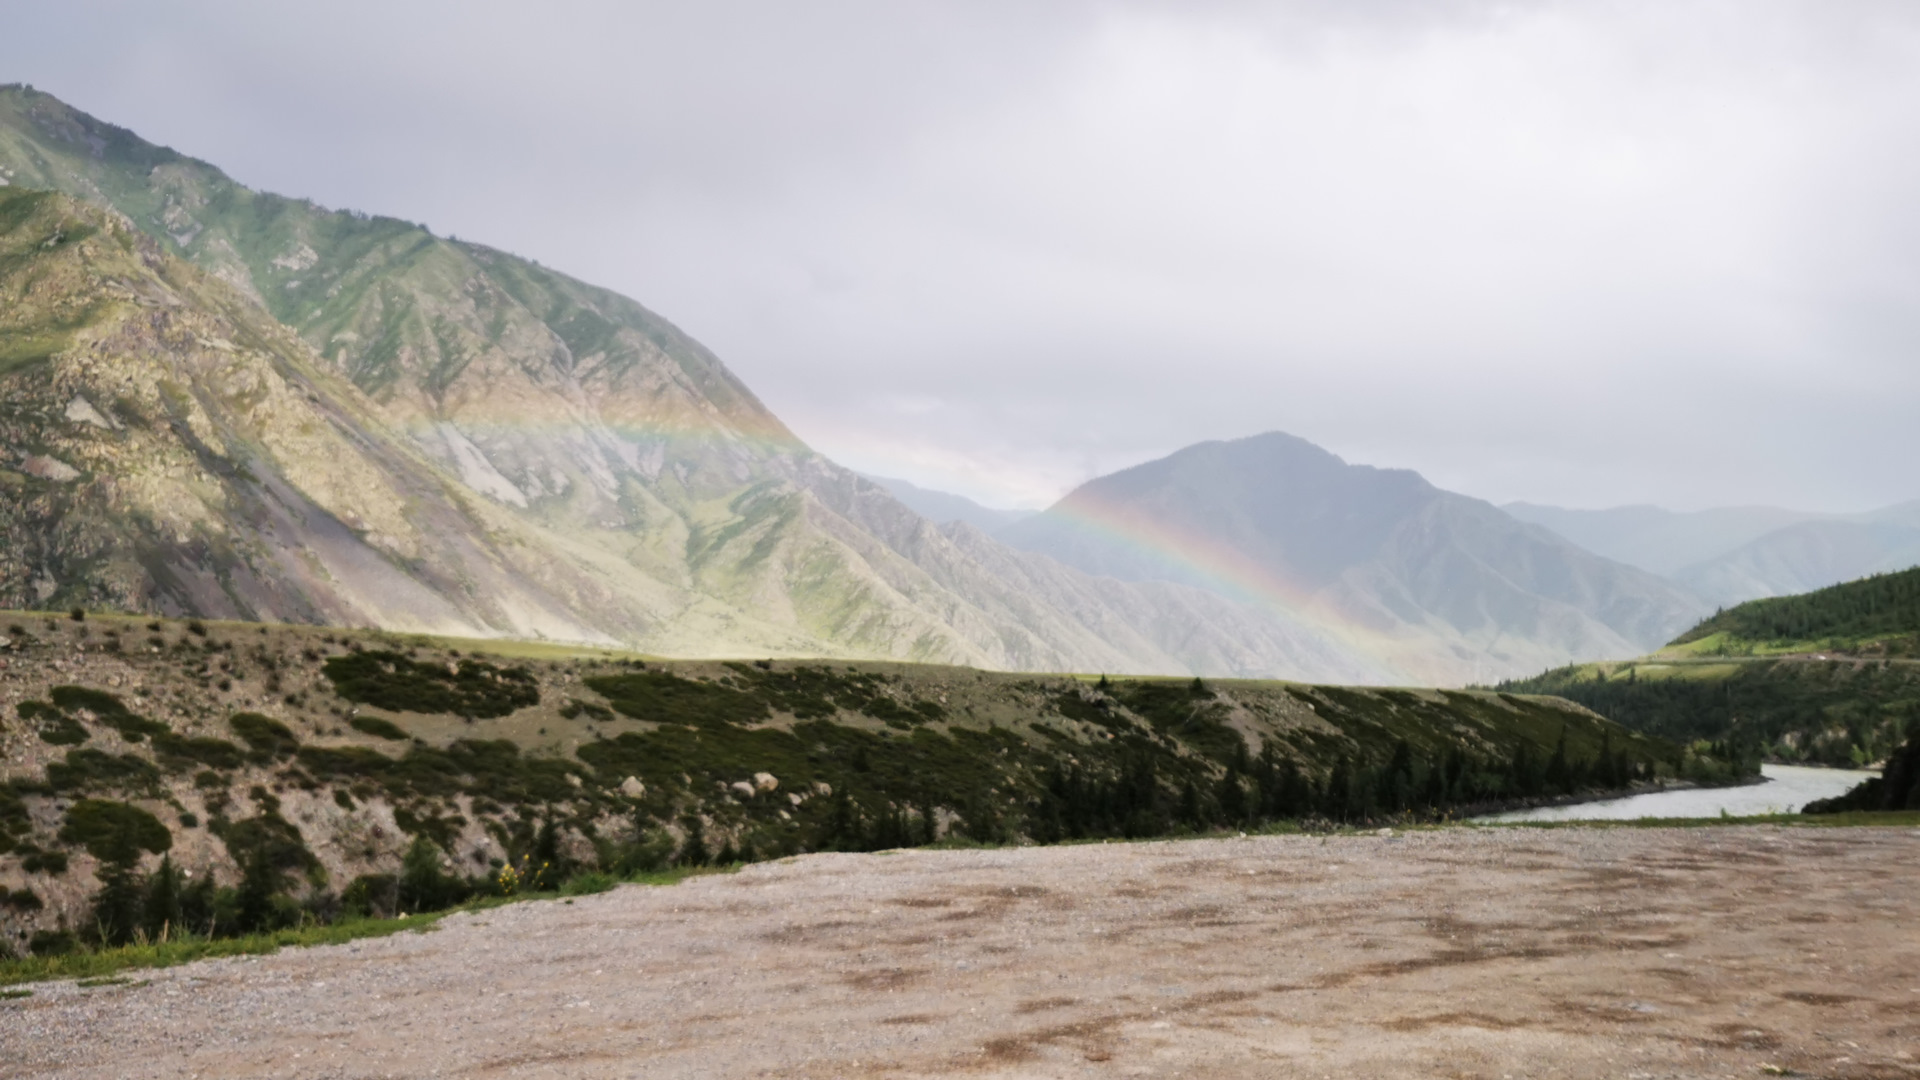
1195, 558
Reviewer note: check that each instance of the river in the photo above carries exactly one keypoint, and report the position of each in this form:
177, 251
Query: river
1784, 791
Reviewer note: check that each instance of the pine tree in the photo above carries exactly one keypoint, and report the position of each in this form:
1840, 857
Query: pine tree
260, 884
1559, 775
120, 903
693, 851
161, 915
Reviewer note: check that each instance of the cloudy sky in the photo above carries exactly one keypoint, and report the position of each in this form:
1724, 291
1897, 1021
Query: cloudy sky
1584, 254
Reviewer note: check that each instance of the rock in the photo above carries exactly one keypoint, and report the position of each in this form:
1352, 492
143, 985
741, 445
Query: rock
81, 411
49, 468
744, 789
632, 788
822, 787
574, 779
794, 797
765, 781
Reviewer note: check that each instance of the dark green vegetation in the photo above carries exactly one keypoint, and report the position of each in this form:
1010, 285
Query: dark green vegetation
1876, 616
1896, 788
1831, 712
390, 680
89, 963
1817, 678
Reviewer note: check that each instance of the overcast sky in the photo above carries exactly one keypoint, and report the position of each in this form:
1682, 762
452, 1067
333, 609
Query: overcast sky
1584, 254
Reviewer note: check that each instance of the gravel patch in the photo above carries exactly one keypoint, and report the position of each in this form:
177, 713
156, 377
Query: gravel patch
1490, 953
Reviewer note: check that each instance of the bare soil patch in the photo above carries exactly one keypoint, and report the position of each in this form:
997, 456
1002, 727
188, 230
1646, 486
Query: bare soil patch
1459, 953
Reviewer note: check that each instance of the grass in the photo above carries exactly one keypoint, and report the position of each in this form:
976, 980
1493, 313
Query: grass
92, 966
102, 966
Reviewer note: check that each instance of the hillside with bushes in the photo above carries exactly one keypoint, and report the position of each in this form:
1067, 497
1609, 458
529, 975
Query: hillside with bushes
168, 776
1824, 678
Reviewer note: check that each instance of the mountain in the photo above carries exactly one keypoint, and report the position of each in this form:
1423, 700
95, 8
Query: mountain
435, 435
227, 403
944, 507
1662, 541
1440, 586
1742, 553
1805, 556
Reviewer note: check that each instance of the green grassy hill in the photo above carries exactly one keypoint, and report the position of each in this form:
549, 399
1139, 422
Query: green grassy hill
1875, 616
1826, 677
299, 772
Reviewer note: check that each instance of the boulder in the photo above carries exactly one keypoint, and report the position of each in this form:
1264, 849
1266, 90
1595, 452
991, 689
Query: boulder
766, 781
632, 788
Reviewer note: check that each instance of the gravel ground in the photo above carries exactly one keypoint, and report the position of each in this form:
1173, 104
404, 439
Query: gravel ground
1460, 953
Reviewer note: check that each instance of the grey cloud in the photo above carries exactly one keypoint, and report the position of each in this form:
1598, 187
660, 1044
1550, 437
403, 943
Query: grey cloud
1581, 254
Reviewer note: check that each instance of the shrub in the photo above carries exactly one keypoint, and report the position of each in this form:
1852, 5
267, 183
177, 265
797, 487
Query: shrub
44, 862
114, 831
378, 728
424, 885
109, 709
87, 769
389, 680
588, 883
53, 943
371, 896
269, 738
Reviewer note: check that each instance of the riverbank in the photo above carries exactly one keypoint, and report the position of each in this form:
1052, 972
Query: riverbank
1469, 952
1783, 789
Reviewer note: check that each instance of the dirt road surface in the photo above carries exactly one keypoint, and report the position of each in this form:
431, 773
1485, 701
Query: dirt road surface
1713, 952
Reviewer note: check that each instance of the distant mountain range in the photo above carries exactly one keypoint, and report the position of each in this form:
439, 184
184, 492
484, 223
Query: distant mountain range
943, 508
219, 402
1435, 582
1742, 553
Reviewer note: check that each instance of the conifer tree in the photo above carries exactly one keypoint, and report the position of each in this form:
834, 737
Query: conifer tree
161, 907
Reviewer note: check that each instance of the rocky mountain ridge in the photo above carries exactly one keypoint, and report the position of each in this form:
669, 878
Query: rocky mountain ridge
408, 431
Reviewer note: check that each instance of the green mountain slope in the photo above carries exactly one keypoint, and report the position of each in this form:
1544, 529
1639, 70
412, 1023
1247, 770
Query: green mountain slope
644, 494
330, 754
1827, 677
1878, 615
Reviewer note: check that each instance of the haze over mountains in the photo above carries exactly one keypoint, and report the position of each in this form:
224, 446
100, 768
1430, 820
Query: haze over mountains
1742, 553
228, 403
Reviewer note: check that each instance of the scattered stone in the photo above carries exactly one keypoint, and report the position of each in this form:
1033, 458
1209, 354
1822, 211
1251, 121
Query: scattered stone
81, 411
50, 468
765, 781
632, 788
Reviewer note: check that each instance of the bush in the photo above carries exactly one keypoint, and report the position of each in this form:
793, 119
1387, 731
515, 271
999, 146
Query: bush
389, 680
374, 896
87, 769
269, 738
378, 728
424, 885
53, 943
114, 832
593, 881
